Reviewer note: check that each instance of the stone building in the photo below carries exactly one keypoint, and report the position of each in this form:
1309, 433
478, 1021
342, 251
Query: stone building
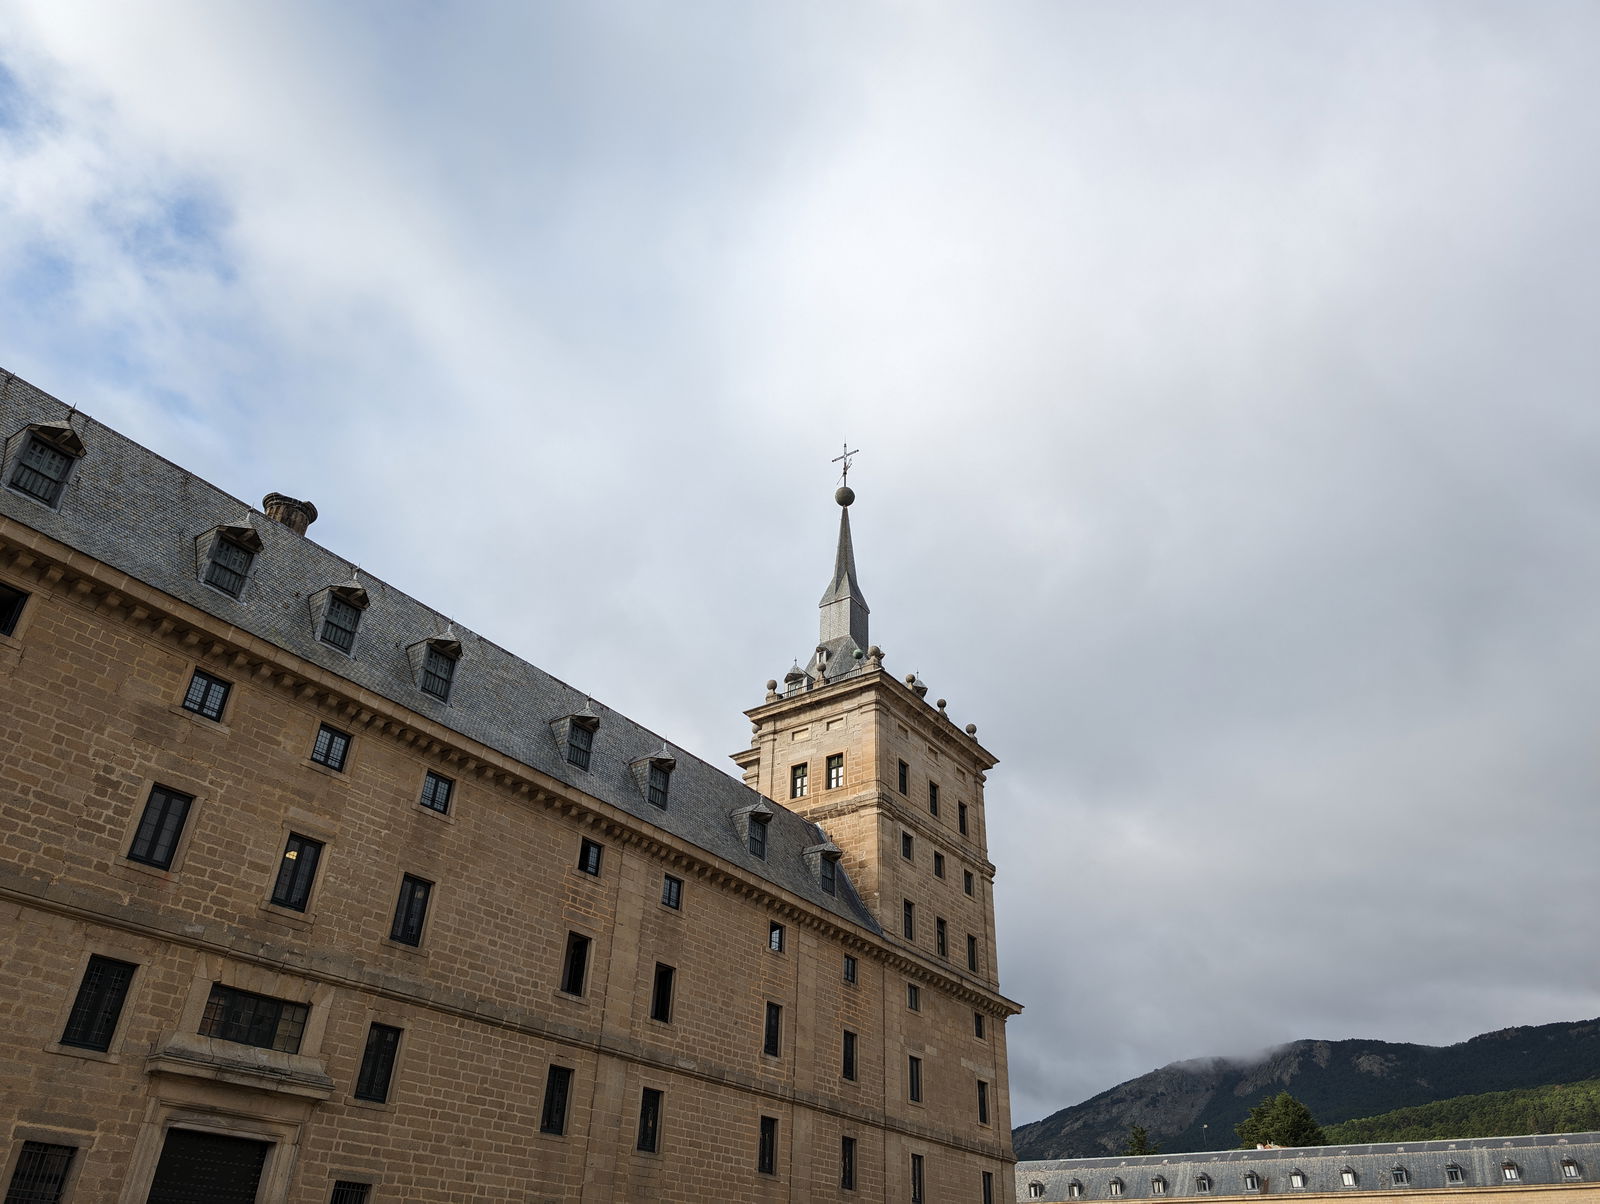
310, 896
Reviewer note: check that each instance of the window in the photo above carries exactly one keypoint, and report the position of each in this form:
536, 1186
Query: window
1158, 1186
1252, 1181
436, 792
229, 566
156, 839
1399, 1176
11, 601
1453, 1174
775, 936
938, 865
1347, 1177
913, 997
933, 798
1297, 1179
339, 622
917, 1187
941, 937
988, 1187
589, 854
251, 1019
98, 1007
1075, 1189
908, 845
797, 780
410, 910
41, 471
377, 1063
914, 1078
1510, 1172
580, 744
332, 747
661, 994
557, 1086
847, 1163
966, 881
849, 1067
908, 919
206, 695
649, 1121
576, 965
1202, 1184
758, 834
961, 818
850, 969
40, 1174
835, 769
1569, 1169
438, 671
972, 952
656, 783
828, 875
348, 1191
767, 1151
296, 872
671, 892
978, 1025
1036, 1191
1114, 1187
905, 777
772, 1038
983, 1103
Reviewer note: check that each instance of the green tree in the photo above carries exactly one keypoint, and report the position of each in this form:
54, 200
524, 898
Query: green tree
1139, 1142
1282, 1120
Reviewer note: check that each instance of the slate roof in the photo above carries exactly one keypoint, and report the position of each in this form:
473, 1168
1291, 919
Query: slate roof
142, 515
1538, 1160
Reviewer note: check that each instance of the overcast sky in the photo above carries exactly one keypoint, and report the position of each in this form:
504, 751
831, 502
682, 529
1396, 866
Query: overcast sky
1224, 376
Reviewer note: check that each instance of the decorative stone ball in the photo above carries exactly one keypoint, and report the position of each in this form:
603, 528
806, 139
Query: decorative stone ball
844, 495
772, 683
910, 677
972, 729
941, 704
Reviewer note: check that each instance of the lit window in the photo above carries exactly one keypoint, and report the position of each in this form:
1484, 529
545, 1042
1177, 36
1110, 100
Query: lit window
649, 1121
1569, 1169
589, 854
661, 994
835, 767
576, 965
671, 892
206, 695
331, 748
41, 470
557, 1087
11, 601
156, 839
98, 1007
1347, 1177
296, 872
410, 910
436, 792
252, 1019
775, 937
797, 780
377, 1063
1297, 1179
914, 1078
229, 566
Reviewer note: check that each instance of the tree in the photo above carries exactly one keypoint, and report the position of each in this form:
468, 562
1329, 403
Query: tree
1282, 1120
1139, 1142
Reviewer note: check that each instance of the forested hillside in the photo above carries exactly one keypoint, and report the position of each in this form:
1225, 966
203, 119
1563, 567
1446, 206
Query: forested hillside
1559, 1108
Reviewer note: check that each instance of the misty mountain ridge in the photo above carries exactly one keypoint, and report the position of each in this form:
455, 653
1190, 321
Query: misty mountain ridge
1195, 1104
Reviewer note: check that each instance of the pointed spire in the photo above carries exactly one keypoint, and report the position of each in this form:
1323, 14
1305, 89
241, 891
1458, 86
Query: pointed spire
844, 610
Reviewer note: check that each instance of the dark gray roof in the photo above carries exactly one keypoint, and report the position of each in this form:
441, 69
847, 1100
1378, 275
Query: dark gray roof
1538, 1159
137, 512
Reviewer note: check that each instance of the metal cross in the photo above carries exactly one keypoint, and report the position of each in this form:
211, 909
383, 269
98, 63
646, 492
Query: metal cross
844, 477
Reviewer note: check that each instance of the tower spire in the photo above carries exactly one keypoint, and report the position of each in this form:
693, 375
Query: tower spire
842, 641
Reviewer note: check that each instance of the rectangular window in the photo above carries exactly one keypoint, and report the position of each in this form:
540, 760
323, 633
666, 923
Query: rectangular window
828, 875
767, 1151
849, 968
797, 780
905, 777
229, 566
1453, 1174
908, 919
914, 1079
988, 1187
661, 994
849, 1068
410, 910
331, 748
757, 836
589, 855
296, 872
656, 784
348, 1191
438, 670
377, 1063
156, 839
772, 1038
913, 997
580, 745
847, 1163
835, 766
40, 1174
983, 1102
941, 937
966, 881
917, 1190
436, 792
1399, 1177
98, 1007
972, 953
977, 1025
557, 1086
206, 695
576, 966
908, 846
961, 818
339, 623
933, 798
938, 865
671, 892
252, 1019
41, 471
649, 1121
775, 937
1510, 1172
11, 601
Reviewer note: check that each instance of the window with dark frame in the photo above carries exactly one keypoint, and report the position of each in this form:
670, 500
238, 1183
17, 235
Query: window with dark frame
155, 841
848, 1069
908, 846
93, 1020
436, 792
656, 783
1454, 1174
251, 1019
918, 1191
575, 967
40, 1174
348, 1191
1399, 1176
933, 798
977, 1025
1201, 1185
590, 853
767, 1151
228, 566
411, 910
983, 1102
914, 1078
850, 968
339, 622
649, 1121
847, 1163
835, 770
772, 1034
1252, 1182
297, 871
938, 865
377, 1063
828, 875
557, 1087
580, 744
661, 994
206, 695
941, 937
775, 936
966, 881
972, 952
905, 777
913, 997
671, 892
961, 818
1569, 1169
908, 919
797, 780
332, 748
11, 601
988, 1187
41, 471
757, 835
438, 672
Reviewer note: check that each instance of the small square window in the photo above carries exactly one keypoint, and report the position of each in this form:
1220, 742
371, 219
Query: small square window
1511, 1172
938, 865
11, 601
436, 792
206, 695
1569, 1169
904, 781
377, 1063
933, 798
1202, 1185
557, 1088
908, 845
913, 997
775, 937
297, 871
332, 747
797, 780
966, 881
850, 968
155, 842
1252, 1182
671, 892
835, 767
1297, 1179
1347, 1177
589, 855
410, 910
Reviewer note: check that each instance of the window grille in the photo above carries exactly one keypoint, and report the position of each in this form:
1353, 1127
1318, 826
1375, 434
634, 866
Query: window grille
156, 839
649, 1120
296, 872
557, 1087
671, 892
40, 1173
207, 695
348, 1191
331, 748
98, 1007
251, 1019
436, 792
377, 1063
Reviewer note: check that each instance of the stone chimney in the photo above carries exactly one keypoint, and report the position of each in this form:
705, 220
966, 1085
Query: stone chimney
292, 513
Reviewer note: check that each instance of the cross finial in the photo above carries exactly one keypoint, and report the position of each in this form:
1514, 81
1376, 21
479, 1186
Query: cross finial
844, 476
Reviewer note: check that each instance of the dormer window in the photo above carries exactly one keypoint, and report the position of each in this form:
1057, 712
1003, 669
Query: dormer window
1202, 1184
1569, 1169
1348, 1176
575, 735
48, 453
1510, 1172
751, 823
228, 557
340, 609
1074, 1190
1115, 1187
1454, 1174
823, 861
433, 664
654, 776
758, 835
580, 745
1297, 1179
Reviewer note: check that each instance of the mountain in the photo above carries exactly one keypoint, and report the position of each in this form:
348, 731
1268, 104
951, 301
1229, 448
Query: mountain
1194, 1105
